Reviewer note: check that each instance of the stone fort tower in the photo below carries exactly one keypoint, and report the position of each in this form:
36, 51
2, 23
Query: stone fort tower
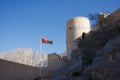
74, 29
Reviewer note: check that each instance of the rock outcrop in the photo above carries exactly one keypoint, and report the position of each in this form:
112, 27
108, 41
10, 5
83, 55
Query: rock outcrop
98, 54
106, 64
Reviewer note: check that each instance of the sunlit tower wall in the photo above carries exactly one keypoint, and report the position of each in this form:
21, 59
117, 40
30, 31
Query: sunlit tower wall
74, 29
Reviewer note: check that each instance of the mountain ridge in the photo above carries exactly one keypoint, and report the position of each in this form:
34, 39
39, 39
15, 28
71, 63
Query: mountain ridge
25, 56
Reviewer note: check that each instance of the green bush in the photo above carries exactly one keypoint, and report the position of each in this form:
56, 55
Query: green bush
88, 57
76, 74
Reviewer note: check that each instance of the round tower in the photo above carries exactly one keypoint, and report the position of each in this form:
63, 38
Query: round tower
74, 29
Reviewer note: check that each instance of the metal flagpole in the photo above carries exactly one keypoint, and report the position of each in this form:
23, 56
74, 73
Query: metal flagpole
41, 46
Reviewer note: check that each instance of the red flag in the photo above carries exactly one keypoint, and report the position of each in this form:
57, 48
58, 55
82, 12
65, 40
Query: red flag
44, 40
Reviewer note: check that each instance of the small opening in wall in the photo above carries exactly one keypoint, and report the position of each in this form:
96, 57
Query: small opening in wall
70, 28
83, 35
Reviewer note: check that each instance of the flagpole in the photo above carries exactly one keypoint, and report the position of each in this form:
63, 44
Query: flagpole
41, 46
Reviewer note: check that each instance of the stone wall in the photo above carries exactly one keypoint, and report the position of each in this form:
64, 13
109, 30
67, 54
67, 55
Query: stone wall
54, 62
15, 71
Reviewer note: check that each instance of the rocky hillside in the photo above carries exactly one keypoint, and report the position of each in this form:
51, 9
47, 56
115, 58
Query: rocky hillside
25, 56
98, 54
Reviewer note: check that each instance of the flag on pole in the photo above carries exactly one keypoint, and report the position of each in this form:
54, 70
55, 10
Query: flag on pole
46, 41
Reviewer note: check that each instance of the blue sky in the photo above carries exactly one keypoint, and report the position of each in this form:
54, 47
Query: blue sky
23, 22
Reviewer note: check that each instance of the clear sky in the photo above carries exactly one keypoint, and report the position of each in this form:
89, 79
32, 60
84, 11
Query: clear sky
23, 22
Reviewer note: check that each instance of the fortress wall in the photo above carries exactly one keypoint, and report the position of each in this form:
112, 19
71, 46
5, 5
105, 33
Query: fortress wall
44, 72
74, 29
54, 62
15, 71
